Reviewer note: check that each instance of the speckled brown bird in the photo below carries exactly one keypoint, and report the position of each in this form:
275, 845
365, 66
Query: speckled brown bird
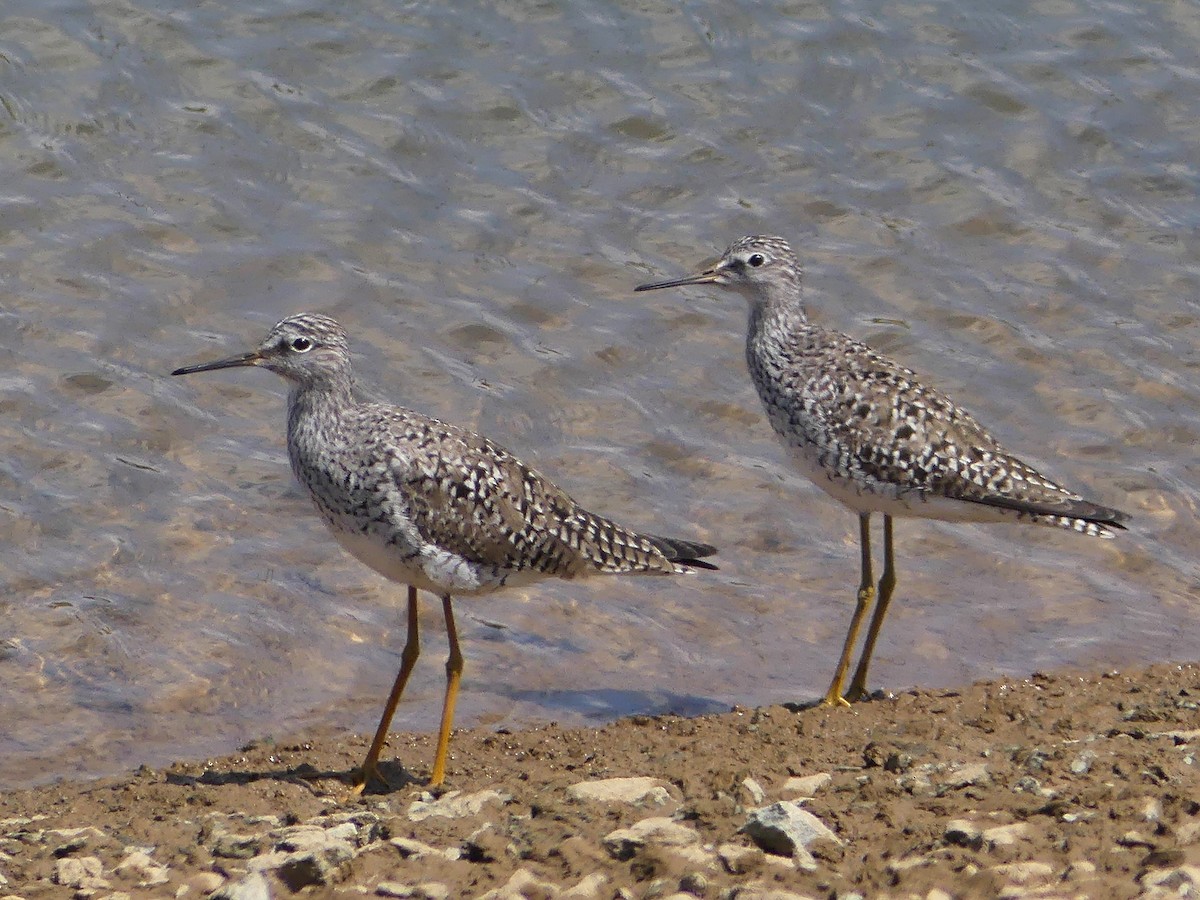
431, 505
866, 431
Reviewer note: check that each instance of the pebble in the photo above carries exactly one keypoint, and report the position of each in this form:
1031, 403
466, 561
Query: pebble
641, 790
739, 859
967, 774
624, 843
787, 829
806, 786
253, 887
428, 890
523, 884
755, 790
1024, 872
1005, 835
588, 888
454, 805
83, 873
963, 833
149, 872
1082, 764
236, 846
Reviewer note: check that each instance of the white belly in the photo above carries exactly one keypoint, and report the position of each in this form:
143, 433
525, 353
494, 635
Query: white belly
889, 499
431, 569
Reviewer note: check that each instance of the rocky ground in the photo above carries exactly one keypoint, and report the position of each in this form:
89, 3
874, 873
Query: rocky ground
1056, 786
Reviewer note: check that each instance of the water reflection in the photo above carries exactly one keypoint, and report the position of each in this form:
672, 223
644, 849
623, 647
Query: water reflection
474, 194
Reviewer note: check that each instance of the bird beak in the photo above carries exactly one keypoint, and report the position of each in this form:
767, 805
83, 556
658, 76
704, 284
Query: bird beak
707, 276
253, 358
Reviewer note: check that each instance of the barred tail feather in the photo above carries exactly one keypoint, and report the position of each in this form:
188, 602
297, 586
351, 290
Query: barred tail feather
684, 553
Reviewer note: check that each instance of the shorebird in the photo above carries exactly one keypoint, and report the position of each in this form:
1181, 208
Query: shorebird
866, 431
431, 505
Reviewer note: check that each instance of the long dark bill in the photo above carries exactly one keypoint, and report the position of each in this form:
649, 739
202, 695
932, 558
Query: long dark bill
708, 276
245, 359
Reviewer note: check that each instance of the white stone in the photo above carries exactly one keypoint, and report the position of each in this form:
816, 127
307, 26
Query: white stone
806, 786
1080, 868
589, 887
641, 789
80, 872
144, 868
523, 883
785, 828
413, 849
1024, 872
968, 773
963, 832
253, 887
455, 804
755, 790
1005, 835
427, 890
739, 859
659, 830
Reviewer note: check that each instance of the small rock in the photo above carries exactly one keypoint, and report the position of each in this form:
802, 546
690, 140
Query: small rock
694, 883
1082, 764
967, 774
1005, 835
413, 849
588, 888
344, 831
787, 829
938, 894
1080, 868
206, 882
963, 833
236, 846
523, 884
1024, 872
1173, 879
455, 804
1152, 809
428, 890
738, 859
83, 873
301, 837
304, 868
643, 790
806, 786
148, 872
624, 843
757, 795
252, 887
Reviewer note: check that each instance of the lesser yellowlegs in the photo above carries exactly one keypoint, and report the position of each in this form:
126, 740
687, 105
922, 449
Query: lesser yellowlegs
865, 430
433, 506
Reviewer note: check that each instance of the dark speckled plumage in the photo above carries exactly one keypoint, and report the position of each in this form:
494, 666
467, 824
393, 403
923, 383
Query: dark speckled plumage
432, 505
866, 430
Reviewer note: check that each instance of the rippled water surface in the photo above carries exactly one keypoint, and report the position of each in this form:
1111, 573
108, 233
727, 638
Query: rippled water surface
1002, 195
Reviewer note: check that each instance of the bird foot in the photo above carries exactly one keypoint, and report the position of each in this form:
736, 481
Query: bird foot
834, 699
363, 775
856, 694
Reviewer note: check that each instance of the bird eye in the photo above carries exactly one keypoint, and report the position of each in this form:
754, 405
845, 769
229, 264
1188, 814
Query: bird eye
301, 344
754, 260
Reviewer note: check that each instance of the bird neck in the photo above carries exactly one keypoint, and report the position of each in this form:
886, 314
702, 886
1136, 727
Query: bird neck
327, 393
778, 310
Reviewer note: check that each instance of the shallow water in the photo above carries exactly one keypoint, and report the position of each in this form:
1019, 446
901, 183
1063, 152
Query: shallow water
1002, 196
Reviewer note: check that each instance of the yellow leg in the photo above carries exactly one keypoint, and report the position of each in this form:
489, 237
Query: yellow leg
454, 668
408, 659
866, 593
887, 584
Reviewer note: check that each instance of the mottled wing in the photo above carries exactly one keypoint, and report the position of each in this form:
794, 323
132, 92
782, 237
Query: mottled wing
475, 499
880, 422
